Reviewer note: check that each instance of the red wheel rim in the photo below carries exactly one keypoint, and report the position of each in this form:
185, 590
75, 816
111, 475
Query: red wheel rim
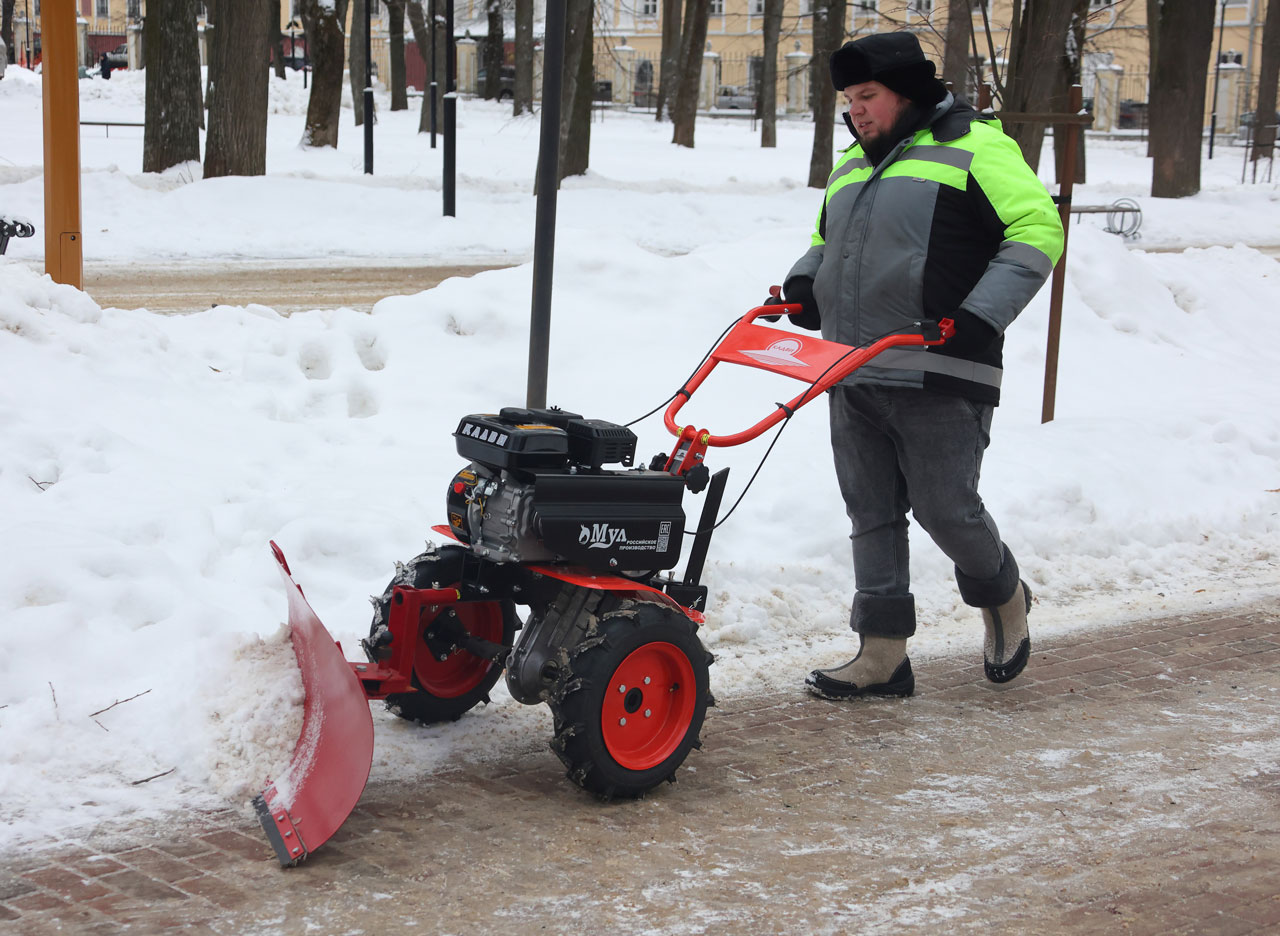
648, 706
461, 671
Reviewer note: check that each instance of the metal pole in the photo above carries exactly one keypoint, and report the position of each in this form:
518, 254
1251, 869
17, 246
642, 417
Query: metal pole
368, 88
450, 115
433, 86
1217, 69
544, 233
63, 254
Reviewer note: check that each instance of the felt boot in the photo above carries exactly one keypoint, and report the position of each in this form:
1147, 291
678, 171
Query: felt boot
881, 668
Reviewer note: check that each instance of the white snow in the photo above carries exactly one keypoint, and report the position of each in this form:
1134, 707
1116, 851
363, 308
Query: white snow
148, 459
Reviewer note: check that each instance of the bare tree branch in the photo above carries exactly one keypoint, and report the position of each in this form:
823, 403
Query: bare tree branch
118, 702
154, 777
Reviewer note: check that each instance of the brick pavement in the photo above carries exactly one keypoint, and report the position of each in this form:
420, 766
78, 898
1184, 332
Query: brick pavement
1128, 782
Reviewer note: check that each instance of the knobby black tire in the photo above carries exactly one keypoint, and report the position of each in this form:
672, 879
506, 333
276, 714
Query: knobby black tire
438, 568
578, 707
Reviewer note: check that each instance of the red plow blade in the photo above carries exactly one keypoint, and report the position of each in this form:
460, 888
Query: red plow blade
303, 809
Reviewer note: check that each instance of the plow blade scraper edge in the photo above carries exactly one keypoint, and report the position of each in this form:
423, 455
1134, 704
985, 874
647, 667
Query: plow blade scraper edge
301, 810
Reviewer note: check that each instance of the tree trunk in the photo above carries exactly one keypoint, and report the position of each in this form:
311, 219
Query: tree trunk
1071, 71
395, 36
1264, 114
575, 157
769, 76
355, 60
1176, 109
669, 63
422, 36
325, 46
237, 140
276, 39
171, 134
578, 14
1153, 47
6, 28
1035, 73
955, 55
522, 94
210, 37
685, 111
491, 51
828, 36
577, 38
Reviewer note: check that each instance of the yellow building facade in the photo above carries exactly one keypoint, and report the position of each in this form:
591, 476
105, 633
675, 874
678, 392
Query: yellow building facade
629, 44
1115, 67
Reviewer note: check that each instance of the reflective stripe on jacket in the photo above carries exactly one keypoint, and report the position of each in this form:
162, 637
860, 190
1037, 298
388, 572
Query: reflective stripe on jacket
953, 218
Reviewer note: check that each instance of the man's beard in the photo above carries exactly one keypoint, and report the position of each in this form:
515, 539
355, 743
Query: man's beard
909, 121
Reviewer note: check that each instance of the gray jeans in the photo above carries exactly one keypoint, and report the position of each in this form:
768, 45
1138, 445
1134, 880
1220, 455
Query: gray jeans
898, 449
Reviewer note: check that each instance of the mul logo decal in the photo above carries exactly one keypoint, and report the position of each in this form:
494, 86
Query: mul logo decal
601, 536
783, 351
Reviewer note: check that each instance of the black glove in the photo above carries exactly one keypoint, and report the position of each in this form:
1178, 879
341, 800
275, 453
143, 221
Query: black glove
772, 300
799, 289
972, 337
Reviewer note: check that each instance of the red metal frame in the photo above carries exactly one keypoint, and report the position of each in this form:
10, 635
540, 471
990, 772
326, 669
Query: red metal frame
407, 604
819, 363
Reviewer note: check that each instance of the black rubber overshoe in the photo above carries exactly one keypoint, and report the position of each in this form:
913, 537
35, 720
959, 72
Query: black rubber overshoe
901, 683
1004, 672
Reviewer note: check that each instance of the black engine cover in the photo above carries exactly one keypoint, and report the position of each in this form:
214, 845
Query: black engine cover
611, 521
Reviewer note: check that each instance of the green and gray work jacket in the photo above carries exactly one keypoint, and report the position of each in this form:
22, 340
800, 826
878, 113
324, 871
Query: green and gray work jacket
953, 218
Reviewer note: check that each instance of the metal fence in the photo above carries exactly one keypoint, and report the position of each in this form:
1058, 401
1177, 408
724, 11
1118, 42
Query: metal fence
1235, 104
734, 84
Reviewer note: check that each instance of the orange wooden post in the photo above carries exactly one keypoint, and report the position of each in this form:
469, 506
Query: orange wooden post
63, 255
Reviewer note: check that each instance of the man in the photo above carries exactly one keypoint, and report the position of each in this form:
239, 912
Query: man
931, 214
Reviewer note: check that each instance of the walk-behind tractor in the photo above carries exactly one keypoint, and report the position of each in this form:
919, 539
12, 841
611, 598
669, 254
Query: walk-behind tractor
552, 514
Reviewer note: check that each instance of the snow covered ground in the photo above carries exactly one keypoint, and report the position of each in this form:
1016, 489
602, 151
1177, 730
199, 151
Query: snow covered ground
148, 459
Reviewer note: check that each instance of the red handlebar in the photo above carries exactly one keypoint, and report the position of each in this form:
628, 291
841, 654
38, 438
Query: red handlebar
819, 363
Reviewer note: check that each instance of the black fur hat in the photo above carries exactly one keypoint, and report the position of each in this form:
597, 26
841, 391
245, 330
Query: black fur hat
893, 59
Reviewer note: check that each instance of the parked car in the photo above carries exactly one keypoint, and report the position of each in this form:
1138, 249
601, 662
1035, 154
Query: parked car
119, 56
506, 82
731, 97
1247, 131
1132, 115
1246, 119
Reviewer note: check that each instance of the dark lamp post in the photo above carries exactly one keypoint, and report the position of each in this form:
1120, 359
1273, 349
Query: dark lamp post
368, 88
1217, 70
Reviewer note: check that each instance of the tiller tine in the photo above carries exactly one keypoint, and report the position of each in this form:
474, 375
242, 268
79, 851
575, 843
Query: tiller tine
303, 809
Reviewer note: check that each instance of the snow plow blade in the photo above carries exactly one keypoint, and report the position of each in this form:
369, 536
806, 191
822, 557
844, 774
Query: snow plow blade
330, 766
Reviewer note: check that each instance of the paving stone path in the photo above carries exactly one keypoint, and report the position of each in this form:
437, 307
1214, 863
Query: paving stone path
297, 287
1128, 782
